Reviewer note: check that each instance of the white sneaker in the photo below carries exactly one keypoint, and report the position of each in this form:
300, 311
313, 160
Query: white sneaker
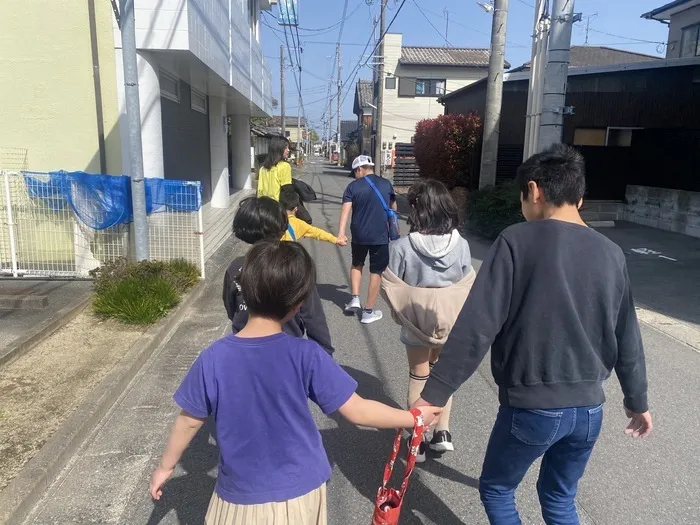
370, 317
353, 305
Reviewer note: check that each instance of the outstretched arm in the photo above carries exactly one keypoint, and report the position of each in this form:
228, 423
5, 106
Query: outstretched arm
344, 217
367, 413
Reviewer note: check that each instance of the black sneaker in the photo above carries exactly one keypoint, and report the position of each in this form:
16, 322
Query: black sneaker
442, 441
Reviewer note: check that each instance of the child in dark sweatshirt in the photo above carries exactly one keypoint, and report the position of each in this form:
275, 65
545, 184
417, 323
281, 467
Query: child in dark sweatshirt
553, 302
259, 219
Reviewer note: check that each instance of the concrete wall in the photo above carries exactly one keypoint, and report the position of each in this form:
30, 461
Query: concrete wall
47, 92
401, 114
678, 22
672, 210
186, 141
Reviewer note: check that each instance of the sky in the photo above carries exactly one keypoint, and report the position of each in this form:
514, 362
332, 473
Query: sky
613, 23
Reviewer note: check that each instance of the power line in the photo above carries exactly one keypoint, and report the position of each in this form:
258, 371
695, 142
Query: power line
640, 40
431, 24
381, 37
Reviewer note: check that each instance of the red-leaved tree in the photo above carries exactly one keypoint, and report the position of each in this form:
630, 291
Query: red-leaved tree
445, 147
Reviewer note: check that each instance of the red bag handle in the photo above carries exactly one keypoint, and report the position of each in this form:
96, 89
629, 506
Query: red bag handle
416, 438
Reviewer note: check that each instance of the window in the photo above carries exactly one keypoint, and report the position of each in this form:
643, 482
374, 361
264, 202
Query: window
390, 83
429, 87
421, 87
690, 41
199, 101
169, 86
590, 137
619, 137
287, 133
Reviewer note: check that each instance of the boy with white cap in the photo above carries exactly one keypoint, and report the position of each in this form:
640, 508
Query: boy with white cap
370, 234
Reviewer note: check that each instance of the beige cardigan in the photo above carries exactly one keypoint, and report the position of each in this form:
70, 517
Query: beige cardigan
428, 313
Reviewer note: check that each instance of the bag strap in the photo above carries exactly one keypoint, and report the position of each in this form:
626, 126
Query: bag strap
416, 438
290, 230
379, 194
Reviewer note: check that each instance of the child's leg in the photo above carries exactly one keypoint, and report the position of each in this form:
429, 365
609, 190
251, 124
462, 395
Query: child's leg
419, 371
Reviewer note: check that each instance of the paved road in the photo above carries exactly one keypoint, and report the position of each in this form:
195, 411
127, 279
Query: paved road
650, 482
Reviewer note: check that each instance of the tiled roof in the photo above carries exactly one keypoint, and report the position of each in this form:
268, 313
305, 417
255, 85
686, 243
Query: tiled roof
445, 56
366, 92
347, 127
587, 56
289, 121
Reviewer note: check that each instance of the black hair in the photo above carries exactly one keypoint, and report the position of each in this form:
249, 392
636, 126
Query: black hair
433, 210
276, 277
259, 219
559, 172
289, 198
275, 151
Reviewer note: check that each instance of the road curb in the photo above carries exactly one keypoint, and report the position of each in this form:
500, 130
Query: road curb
64, 316
678, 330
29, 486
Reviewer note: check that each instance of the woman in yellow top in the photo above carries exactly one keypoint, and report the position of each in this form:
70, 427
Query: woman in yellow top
275, 171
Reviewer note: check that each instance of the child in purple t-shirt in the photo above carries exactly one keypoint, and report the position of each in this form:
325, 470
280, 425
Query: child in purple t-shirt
257, 384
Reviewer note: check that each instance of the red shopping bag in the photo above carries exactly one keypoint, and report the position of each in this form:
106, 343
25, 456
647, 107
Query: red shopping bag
387, 507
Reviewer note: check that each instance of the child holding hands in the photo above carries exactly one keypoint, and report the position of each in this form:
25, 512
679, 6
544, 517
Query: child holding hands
257, 384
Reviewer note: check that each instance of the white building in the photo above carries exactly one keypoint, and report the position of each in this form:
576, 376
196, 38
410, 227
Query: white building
202, 76
415, 77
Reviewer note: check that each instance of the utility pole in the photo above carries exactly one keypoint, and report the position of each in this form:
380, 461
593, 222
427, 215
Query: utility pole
340, 87
378, 160
298, 130
494, 95
536, 87
284, 127
447, 22
330, 117
555, 77
133, 118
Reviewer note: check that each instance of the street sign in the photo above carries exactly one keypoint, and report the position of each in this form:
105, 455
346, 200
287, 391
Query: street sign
289, 13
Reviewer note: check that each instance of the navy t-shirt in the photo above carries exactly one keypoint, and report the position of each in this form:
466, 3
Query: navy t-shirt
258, 390
369, 223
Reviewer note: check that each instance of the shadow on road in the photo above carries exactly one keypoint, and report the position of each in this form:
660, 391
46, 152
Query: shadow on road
361, 454
189, 495
337, 294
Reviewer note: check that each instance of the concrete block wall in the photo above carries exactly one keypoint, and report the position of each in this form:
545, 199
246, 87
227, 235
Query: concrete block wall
602, 210
673, 210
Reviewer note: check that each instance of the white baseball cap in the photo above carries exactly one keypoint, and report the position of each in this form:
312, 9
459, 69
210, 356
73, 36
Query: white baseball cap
362, 160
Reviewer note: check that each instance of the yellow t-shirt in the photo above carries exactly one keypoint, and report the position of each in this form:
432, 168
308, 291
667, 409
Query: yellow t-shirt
270, 181
304, 230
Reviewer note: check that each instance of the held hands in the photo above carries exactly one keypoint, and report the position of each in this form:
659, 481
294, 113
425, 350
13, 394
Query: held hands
158, 478
640, 425
342, 241
431, 414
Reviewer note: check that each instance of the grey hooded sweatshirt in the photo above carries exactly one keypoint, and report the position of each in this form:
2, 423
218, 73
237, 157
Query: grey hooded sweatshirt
430, 261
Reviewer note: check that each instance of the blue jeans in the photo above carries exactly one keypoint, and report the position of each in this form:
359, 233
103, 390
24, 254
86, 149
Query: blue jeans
565, 437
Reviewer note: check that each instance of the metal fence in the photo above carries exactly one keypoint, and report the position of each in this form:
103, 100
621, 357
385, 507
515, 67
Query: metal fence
43, 232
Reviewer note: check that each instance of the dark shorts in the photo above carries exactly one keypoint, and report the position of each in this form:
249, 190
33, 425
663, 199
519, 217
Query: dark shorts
378, 256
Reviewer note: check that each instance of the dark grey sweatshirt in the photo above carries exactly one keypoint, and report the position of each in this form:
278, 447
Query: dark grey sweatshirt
310, 321
553, 301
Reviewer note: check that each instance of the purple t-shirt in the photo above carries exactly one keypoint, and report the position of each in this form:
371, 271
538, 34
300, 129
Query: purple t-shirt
258, 390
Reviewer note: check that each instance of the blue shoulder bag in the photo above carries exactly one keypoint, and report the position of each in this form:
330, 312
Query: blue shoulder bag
392, 218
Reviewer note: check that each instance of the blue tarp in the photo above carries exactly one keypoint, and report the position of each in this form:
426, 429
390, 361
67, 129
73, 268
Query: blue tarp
103, 201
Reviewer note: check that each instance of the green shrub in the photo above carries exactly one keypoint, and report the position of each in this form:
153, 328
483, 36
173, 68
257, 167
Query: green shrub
136, 301
183, 273
493, 209
143, 292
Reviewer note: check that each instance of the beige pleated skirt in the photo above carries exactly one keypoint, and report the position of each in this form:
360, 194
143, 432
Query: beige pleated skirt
309, 509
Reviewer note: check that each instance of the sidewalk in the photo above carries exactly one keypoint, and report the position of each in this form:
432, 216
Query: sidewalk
650, 482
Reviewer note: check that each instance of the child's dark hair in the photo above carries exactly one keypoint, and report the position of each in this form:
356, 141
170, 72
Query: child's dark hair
276, 277
289, 198
559, 172
259, 219
433, 210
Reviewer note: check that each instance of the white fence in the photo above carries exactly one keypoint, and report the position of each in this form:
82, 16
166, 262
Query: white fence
41, 233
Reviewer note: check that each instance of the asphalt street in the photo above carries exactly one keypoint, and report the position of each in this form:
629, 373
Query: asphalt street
656, 481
